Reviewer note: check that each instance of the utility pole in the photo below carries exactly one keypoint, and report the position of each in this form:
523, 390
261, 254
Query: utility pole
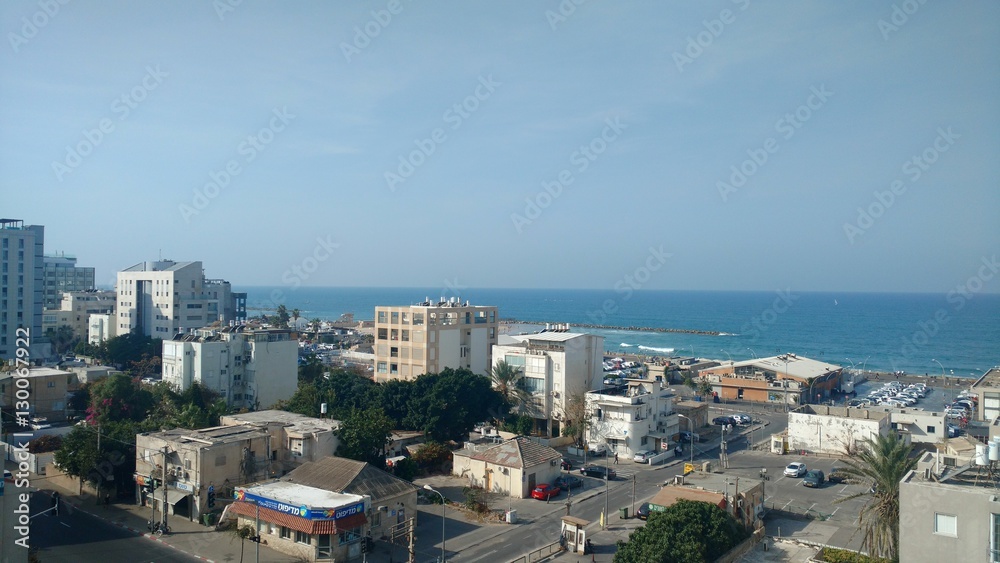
633, 494
100, 478
413, 550
163, 507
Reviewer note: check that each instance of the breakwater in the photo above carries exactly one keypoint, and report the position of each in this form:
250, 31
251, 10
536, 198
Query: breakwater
616, 327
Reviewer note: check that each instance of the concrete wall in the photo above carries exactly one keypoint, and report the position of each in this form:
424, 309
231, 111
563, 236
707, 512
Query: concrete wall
833, 433
923, 427
973, 508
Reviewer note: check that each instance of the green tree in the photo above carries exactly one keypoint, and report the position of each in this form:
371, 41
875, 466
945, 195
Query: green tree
882, 462
448, 405
282, 316
365, 435
118, 397
311, 370
686, 532
295, 316
122, 350
405, 468
62, 338
506, 380
432, 456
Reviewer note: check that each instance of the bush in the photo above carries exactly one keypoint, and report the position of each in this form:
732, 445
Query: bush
432, 455
44, 444
831, 555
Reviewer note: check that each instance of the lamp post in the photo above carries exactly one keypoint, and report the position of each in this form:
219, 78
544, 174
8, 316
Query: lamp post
754, 354
728, 355
429, 488
863, 364
691, 434
944, 378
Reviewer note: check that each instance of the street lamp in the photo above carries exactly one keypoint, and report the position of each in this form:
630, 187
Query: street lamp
754, 354
863, 364
943, 376
727, 354
690, 433
431, 489
852, 364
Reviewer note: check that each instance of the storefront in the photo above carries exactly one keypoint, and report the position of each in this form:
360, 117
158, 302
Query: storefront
306, 522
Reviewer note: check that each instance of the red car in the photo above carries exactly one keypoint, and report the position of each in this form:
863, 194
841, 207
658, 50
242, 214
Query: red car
545, 492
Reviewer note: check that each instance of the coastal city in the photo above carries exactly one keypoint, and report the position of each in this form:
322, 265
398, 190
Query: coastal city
159, 417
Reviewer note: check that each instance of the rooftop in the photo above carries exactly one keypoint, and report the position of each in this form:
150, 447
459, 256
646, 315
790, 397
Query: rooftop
296, 494
349, 476
35, 372
160, 266
843, 412
441, 302
989, 379
547, 337
790, 364
965, 477
671, 494
518, 453
207, 437
292, 421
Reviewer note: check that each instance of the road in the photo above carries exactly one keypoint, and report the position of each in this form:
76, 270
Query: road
74, 536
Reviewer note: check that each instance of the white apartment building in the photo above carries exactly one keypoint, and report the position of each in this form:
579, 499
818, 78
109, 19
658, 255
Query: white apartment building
251, 368
556, 365
160, 299
21, 286
428, 337
296, 438
75, 309
101, 327
632, 417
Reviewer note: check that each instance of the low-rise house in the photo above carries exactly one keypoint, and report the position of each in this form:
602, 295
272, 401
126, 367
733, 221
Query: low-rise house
632, 417
834, 430
46, 392
393, 500
670, 494
402, 440
988, 389
743, 496
309, 523
512, 468
296, 438
201, 467
784, 379
693, 414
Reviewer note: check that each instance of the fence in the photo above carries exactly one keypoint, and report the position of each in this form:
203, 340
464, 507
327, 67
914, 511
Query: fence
540, 554
36, 462
740, 550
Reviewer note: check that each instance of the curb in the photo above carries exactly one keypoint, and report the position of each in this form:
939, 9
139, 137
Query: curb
78, 507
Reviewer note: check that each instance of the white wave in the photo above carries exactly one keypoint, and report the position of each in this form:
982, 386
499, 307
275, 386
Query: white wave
624, 345
655, 349
727, 334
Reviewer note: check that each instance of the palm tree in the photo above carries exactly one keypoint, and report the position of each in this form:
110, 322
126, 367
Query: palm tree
505, 379
883, 462
295, 317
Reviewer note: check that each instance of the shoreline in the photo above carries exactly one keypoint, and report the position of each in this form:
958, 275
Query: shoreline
617, 327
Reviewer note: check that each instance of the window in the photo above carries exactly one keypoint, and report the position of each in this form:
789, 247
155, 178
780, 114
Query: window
381, 316
405, 335
418, 318
349, 536
931, 430
220, 460
383, 334
995, 539
395, 317
301, 537
286, 533
406, 318
533, 384
946, 524
382, 367
323, 547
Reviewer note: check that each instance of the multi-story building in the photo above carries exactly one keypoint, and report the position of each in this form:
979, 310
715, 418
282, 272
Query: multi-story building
834, 430
61, 275
46, 393
787, 378
21, 287
428, 337
101, 327
160, 299
988, 389
950, 516
556, 366
250, 368
297, 438
632, 417
200, 462
75, 308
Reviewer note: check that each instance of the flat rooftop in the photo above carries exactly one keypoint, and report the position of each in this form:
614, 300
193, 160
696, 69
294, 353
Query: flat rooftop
292, 421
208, 437
302, 495
989, 379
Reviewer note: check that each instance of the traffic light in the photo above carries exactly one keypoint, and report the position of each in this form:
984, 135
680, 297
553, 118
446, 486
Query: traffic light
365, 547
211, 499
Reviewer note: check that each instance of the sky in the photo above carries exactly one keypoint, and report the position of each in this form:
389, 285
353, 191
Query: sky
724, 145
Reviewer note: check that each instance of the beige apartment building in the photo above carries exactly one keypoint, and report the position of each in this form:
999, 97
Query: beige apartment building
427, 337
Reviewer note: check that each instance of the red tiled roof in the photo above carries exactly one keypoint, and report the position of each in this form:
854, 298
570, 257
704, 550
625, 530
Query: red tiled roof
297, 522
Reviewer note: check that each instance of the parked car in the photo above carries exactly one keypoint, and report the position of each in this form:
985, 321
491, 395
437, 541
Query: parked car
685, 437
7, 475
724, 420
642, 512
597, 450
566, 464
598, 471
545, 492
814, 478
642, 456
837, 476
795, 469
742, 418
568, 482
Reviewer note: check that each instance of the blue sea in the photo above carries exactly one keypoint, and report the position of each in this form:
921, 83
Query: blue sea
880, 331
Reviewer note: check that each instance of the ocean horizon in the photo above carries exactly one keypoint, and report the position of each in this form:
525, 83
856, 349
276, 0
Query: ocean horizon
914, 332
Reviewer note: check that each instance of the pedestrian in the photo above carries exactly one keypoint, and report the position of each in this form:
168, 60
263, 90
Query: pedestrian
616, 458
107, 500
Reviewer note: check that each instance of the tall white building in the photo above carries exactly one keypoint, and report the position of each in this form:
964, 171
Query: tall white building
21, 273
629, 418
556, 366
250, 368
428, 337
160, 299
75, 309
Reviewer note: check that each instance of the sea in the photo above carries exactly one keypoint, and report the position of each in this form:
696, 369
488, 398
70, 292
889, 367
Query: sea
957, 334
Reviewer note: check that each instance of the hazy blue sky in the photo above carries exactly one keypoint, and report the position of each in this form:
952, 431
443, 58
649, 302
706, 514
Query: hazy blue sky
416, 138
